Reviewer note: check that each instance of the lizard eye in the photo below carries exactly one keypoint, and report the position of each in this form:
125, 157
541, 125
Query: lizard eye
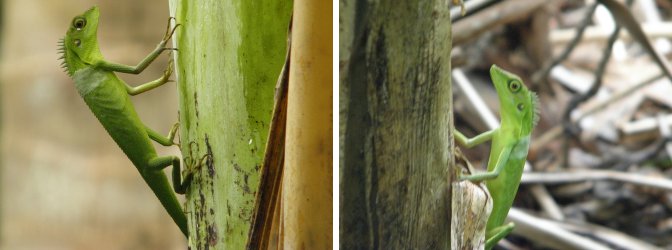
514, 86
79, 23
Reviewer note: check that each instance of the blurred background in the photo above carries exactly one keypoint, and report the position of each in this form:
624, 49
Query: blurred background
64, 183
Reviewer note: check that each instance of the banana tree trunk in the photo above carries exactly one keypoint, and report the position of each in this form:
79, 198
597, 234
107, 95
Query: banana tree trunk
230, 54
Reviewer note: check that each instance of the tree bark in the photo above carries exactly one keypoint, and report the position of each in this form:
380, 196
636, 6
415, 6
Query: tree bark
396, 119
230, 55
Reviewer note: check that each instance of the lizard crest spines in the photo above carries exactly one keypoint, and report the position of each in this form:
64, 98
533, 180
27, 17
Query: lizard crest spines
62, 51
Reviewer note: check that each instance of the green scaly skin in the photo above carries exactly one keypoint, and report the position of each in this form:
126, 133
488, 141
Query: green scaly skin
510, 143
108, 98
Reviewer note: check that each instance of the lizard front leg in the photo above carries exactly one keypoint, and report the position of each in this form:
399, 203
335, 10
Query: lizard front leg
476, 140
153, 84
164, 140
146, 61
501, 163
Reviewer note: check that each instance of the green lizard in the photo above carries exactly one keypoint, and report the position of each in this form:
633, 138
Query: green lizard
510, 142
108, 98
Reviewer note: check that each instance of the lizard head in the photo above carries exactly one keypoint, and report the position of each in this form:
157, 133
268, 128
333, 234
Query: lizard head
80, 46
517, 103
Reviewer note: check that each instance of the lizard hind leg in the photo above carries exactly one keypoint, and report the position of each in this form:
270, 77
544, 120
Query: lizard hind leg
167, 198
159, 163
498, 233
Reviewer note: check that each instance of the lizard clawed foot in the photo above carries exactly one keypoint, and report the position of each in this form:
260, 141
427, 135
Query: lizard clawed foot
173, 132
188, 160
204, 159
169, 69
169, 31
192, 165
